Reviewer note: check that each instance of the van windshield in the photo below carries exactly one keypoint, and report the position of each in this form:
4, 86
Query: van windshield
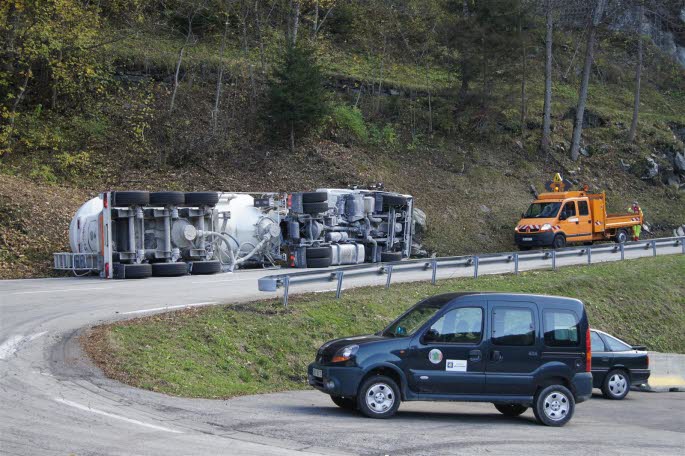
543, 210
411, 321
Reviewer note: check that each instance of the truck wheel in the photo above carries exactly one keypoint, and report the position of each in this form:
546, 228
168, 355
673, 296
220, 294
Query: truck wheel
318, 262
315, 208
201, 198
347, 403
616, 385
511, 409
137, 271
205, 267
554, 405
167, 198
394, 200
388, 257
559, 241
318, 252
169, 269
379, 397
314, 197
621, 236
133, 198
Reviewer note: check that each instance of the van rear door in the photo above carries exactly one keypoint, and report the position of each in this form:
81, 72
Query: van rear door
563, 337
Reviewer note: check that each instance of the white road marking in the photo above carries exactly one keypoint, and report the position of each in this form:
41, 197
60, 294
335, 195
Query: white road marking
117, 417
182, 306
61, 290
11, 345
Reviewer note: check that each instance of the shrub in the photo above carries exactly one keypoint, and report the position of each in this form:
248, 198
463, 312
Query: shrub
349, 121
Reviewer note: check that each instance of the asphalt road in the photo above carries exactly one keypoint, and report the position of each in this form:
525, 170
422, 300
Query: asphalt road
52, 401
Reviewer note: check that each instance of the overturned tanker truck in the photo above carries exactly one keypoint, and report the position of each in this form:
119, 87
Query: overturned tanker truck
136, 234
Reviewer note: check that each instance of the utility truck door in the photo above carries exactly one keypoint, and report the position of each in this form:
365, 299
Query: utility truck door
584, 221
568, 220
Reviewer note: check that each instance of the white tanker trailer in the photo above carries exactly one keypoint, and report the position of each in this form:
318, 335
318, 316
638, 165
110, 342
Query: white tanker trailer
135, 234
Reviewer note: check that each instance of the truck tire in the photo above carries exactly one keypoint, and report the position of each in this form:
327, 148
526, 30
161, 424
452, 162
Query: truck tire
318, 252
205, 267
394, 200
388, 257
169, 269
167, 198
621, 236
318, 262
132, 198
137, 271
559, 241
315, 208
314, 197
201, 198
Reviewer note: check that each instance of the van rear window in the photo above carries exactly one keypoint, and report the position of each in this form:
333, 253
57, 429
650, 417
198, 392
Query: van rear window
561, 328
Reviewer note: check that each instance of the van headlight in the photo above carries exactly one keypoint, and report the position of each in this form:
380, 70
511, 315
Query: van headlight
345, 353
546, 227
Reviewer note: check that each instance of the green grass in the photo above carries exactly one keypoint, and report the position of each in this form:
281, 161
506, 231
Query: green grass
261, 347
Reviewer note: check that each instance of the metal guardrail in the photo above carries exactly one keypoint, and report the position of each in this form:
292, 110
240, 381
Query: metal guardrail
274, 282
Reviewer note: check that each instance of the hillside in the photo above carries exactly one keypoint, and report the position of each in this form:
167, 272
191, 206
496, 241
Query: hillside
97, 114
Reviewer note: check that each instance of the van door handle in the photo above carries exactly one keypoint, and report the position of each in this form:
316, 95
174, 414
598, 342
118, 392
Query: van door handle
496, 356
475, 356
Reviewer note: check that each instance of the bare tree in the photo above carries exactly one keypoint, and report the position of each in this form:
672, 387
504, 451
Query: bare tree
596, 18
524, 68
219, 81
293, 21
547, 109
193, 9
638, 74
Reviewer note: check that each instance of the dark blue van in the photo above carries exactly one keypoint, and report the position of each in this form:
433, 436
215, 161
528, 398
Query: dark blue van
514, 350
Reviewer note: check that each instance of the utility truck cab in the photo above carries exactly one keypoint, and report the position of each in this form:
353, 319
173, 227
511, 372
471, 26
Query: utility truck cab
560, 217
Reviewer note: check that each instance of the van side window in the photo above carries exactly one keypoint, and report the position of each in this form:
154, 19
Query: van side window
569, 209
513, 326
597, 343
460, 326
583, 208
561, 328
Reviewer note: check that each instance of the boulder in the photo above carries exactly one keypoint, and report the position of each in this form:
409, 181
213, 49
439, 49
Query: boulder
679, 162
484, 209
420, 224
418, 251
652, 169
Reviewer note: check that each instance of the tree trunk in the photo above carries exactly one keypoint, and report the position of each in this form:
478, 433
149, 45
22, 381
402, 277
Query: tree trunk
15, 105
178, 69
258, 26
295, 19
250, 68
292, 137
638, 77
524, 65
582, 99
547, 110
215, 112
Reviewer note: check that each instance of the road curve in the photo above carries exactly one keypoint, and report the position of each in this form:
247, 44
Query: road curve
52, 401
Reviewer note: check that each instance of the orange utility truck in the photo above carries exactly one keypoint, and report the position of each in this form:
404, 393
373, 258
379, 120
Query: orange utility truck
559, 217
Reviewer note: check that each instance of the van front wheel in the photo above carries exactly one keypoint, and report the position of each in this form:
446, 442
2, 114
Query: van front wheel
554, 405
379, 397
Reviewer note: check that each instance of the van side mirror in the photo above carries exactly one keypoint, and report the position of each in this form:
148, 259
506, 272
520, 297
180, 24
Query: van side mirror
431, 335
523, 215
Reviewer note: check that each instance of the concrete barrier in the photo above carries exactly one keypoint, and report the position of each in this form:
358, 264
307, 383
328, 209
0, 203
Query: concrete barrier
668, 372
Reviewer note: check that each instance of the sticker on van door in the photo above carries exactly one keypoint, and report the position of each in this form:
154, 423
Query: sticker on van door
435, 356
455, 365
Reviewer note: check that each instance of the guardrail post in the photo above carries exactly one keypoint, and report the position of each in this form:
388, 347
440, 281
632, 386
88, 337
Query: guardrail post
654, 247
682, 244
388, 268
434, 265
516, 263
286, 285
338, 290
475, 267
623, 253
589, 255
554, 260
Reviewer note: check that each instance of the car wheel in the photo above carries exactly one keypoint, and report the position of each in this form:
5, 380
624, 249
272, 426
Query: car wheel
616, 385
347, 403
511, 409
379, 397
388, 257
137, 271
133, 198
559, 241
621, 237
169, 269
554, 405
205, 267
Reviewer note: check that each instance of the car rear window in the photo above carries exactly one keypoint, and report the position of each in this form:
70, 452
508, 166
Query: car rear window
597, 343
561, 328
616, 345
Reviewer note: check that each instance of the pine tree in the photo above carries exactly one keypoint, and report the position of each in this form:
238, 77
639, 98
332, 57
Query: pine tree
297, 99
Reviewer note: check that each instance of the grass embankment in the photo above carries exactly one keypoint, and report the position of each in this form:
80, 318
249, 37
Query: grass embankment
261, 347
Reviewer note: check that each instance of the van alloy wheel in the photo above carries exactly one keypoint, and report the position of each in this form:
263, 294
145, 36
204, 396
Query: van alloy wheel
556, 406
380, 398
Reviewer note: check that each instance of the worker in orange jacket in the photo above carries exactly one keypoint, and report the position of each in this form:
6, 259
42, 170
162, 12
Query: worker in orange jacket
637, 229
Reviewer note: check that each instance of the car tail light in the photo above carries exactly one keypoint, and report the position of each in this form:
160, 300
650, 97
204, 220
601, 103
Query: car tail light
588, 351
105, 202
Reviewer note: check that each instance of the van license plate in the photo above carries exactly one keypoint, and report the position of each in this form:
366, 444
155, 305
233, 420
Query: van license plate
528, 239
317, 373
